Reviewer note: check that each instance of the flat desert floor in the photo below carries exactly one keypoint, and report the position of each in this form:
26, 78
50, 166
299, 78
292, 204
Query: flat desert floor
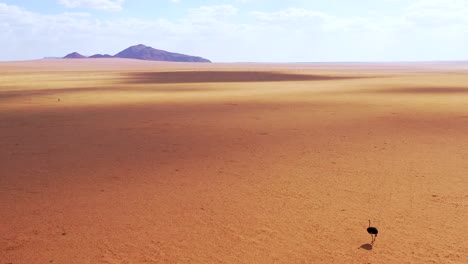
122, 161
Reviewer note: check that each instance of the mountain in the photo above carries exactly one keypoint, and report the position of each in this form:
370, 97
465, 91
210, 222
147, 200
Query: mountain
100, 56
74, 55
142, 52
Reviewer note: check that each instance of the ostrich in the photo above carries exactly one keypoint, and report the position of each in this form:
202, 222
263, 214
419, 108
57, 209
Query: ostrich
373, 232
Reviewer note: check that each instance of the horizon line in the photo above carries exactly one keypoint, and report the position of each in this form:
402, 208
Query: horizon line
256, 62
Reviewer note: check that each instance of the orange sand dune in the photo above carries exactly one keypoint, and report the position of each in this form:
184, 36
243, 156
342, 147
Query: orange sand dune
121, 161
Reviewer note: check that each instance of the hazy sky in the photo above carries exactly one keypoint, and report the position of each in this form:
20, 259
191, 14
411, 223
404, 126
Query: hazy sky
240, 30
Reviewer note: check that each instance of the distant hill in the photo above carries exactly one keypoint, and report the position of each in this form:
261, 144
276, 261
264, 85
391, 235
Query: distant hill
142, 52
74, 55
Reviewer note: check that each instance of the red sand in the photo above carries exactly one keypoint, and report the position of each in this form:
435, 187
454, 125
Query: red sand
250, 165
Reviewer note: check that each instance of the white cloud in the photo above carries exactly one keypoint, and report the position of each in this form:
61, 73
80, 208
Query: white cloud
438, 13
216, 12
291, 14
110, 5
299, 18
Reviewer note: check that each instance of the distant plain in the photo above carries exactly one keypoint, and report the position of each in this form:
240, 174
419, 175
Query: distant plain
126, 161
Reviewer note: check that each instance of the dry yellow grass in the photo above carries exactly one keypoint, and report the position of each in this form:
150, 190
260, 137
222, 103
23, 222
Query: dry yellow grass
121, 161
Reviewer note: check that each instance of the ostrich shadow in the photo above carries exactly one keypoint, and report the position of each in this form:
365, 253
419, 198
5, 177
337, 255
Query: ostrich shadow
367, 246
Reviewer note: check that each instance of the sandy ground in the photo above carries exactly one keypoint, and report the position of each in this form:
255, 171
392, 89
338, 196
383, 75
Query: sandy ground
121, 161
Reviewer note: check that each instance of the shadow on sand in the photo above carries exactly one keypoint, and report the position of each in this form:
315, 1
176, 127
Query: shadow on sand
224, 76
366, 246
181, 77
422, 90
13, 94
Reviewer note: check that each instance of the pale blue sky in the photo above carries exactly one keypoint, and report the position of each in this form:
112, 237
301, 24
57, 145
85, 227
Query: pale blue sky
240, 30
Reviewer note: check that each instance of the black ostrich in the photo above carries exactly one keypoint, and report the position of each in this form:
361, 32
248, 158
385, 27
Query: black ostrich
373, 232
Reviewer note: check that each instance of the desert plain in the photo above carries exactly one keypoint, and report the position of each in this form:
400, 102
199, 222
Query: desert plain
125, 161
